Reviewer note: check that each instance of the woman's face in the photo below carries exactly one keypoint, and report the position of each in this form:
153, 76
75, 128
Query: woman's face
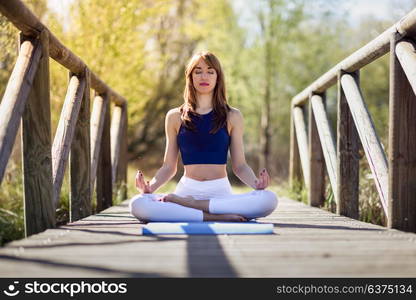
204, 78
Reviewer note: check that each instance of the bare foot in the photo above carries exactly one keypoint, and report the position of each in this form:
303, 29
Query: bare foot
184, 201
224, 217
187, 201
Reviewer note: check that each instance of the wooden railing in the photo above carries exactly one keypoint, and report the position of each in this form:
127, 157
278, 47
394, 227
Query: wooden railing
96, 149
313, 149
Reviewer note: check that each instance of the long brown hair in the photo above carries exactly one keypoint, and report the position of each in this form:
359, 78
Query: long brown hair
219, 99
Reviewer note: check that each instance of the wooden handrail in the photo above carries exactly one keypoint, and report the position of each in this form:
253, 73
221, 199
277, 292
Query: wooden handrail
117, 124
65, 132
97, 125
85, 146
360, 58
326, 139
395, 178
302, 140
368, 136
15, 95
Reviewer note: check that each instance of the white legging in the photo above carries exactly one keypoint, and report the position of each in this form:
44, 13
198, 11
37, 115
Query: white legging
254, 204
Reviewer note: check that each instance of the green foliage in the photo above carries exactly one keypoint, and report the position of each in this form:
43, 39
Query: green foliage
11, 226
296, 192
329, 203
62, 212
369, 205
11, 205
8, 54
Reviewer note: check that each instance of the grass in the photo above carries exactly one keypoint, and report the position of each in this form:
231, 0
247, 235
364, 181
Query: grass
11, 206
370, 207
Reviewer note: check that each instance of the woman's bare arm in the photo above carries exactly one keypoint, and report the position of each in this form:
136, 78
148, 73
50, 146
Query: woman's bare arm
170, 161
240, 167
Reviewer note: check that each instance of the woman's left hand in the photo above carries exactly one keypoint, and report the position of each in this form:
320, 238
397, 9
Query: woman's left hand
142, 185
263, 181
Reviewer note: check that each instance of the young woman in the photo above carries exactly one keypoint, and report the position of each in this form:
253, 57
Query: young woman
203, 128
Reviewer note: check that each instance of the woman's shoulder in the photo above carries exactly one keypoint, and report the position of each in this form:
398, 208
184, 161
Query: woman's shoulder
174, 114
174, 111
234, 115
173, 118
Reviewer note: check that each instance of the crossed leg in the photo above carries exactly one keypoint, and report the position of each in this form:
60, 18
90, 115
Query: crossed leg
203, 205
254, 204
234, 207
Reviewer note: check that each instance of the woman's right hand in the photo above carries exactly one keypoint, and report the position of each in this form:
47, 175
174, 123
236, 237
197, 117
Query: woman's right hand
142, 186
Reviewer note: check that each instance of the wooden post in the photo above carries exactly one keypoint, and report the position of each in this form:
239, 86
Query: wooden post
364, 124
302, 139
65, 133
316, 193
15, 97
36, 146
326, 140
97, 125
121, 177
80, 159
294, 160
104, 172
406, 54
347, 157
116, 135
402, 147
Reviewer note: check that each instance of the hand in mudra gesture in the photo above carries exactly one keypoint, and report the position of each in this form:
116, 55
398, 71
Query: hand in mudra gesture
142, 186
263, 180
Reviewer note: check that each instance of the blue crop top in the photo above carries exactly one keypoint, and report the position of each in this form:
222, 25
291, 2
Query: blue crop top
202, 147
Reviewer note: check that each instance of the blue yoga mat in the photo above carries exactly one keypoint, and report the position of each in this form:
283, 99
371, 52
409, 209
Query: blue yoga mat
155, 228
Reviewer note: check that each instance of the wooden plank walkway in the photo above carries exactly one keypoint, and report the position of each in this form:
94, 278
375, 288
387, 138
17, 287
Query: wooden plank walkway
307, 242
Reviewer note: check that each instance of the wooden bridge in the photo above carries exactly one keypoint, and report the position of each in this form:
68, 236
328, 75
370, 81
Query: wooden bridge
307, 241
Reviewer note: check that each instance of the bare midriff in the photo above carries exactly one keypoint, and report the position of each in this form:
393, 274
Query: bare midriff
203, 172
